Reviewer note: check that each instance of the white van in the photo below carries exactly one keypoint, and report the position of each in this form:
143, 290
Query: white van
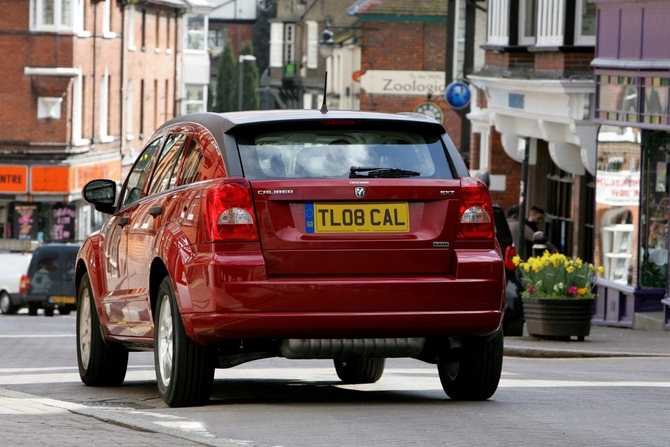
12, 267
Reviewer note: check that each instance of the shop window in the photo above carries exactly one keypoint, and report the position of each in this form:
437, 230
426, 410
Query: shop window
654, 212
560, 225
617, 200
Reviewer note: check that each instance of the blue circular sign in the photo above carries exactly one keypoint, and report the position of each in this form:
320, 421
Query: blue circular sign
457, 95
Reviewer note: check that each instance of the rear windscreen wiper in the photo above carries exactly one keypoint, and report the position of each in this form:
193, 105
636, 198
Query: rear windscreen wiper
372, 172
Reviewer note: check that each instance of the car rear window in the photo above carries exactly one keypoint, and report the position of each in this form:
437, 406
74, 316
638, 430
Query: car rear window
342, 154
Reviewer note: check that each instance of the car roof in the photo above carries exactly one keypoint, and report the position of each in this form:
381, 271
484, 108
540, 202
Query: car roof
231, 120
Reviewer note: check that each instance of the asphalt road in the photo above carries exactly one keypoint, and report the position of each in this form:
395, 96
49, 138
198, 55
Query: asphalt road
278, 402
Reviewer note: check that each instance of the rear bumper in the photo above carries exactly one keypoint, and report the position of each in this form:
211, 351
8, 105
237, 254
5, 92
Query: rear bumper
220, 301
213, 328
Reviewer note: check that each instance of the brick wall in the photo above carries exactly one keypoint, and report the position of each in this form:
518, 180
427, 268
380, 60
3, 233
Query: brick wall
406, 46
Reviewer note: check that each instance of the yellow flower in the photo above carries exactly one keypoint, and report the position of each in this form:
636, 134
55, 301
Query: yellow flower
600, 270
570, 269
582, 291
516, 260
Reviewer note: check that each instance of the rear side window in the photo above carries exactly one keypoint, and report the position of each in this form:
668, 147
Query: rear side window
165, 174
47, 262
343, 154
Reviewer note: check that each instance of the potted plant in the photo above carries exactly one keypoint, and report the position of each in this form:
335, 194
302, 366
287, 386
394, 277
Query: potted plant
558, 295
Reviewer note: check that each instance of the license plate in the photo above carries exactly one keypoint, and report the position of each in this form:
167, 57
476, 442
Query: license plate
357, 217
62, 300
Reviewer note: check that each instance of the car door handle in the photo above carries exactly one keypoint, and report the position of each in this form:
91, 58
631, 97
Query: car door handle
156, 210
123, 221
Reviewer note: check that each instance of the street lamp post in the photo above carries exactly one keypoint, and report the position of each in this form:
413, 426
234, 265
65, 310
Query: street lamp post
243, 57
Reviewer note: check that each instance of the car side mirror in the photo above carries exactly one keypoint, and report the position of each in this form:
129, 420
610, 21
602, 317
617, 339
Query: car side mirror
101, 193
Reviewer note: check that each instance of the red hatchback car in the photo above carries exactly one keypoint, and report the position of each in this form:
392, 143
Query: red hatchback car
351, 236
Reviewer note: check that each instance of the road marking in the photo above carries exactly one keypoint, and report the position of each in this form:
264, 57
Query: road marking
37, 335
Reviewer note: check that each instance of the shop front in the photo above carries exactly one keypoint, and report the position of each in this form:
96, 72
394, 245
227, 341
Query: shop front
632, 196
42, 203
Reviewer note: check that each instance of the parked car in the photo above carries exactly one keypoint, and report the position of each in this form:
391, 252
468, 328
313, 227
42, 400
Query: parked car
13, 265
351, 236
514, 317
49, 281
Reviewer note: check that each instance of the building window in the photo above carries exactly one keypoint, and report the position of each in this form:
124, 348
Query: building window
217, 38
130, 108
168, 34
104, 109
541, 22
276, 45
527, 21
585, 23
195, 98
312, 44
289, 43
550, 17
131, 30
53, 15
107, 20
144, 30
195, 32
498, 23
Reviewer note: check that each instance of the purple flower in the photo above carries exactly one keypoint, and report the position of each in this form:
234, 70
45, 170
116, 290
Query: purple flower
573, 290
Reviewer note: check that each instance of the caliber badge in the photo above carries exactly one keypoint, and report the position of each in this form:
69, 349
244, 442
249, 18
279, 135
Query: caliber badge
359, 191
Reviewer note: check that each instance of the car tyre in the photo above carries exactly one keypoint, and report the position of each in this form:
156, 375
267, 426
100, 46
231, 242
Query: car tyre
359, 370
184, 370
32, 309
49, 311
6, 306
475, 374
100, 364
64, 310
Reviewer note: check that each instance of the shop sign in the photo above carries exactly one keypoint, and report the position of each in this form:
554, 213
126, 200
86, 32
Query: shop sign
50, 179
13, 179
403, 82
621, 188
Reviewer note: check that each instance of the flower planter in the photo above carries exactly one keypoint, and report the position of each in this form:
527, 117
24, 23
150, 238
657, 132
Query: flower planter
558, 317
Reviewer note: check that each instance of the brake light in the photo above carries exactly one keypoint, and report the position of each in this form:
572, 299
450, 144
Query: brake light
24, 284
475, 211
230, 212
510, 252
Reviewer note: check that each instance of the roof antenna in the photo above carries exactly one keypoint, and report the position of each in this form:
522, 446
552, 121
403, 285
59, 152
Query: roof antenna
324, 108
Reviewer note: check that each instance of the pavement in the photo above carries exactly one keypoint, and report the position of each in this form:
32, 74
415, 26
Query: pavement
603, 341
32, 421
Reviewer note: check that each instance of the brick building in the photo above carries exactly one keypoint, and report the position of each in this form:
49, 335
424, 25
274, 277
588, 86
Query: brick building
84, 85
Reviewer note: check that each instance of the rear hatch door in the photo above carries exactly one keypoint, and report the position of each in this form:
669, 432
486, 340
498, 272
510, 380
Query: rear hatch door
356, 227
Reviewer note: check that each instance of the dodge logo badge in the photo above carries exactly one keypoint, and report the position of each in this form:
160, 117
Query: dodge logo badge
359, 191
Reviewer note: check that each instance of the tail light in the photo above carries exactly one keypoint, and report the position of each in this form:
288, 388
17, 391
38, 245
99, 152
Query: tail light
510, 252
230, 212
476, 211
24, 284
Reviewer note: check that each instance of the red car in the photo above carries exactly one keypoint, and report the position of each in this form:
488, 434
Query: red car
351, 236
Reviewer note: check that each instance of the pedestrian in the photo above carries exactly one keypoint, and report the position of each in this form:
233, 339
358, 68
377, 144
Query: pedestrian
533, 233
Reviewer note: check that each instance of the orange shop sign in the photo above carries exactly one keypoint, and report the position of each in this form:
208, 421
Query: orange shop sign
13, 179
50, 179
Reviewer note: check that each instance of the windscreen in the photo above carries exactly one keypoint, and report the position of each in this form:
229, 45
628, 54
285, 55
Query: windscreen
342, 154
